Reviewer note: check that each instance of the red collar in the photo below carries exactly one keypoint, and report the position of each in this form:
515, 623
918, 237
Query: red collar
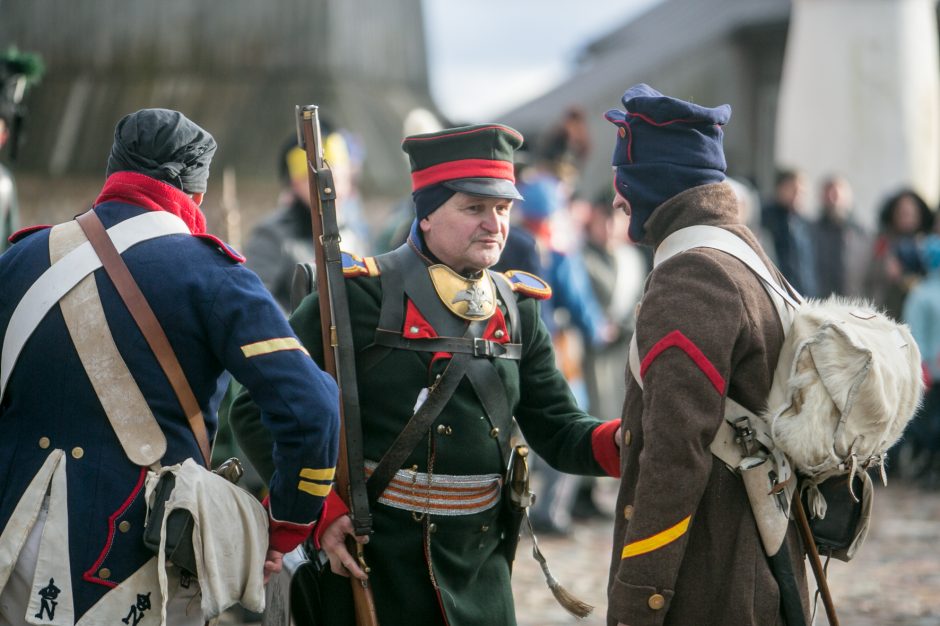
154, 195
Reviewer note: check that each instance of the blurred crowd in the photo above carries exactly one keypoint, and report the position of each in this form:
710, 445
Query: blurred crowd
574, 239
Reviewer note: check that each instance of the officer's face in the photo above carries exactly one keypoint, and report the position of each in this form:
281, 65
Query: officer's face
468, 232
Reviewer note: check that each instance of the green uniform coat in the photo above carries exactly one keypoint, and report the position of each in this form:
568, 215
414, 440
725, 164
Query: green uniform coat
464, 555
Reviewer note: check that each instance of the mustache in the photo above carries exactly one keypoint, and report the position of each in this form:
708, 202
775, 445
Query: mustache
482, 238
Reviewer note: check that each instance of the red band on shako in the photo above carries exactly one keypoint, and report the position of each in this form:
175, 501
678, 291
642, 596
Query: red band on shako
465, 168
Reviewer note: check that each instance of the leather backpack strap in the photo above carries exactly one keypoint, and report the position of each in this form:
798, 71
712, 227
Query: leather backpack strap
153, 332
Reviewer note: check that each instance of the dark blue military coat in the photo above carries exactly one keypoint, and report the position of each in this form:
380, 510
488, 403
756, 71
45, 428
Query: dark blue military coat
218, 317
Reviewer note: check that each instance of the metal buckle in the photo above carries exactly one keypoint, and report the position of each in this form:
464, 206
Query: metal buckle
485, 347
482, 347
744, 436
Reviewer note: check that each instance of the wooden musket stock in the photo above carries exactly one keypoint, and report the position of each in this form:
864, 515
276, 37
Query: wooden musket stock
338, 354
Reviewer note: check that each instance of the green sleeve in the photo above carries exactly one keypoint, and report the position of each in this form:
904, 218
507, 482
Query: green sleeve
547, 413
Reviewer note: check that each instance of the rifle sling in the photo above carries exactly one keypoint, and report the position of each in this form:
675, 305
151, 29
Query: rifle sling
345, 356
149, 326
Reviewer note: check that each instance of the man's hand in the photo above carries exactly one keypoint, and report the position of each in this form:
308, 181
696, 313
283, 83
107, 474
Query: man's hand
333, 542
272, 563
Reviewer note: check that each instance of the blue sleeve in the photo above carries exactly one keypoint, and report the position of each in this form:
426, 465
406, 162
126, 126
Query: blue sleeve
571, 289
299, 403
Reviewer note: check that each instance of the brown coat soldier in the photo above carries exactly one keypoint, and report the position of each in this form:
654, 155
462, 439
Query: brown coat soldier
686, 548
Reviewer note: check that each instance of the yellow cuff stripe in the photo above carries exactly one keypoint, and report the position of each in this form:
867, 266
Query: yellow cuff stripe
260, 348
314, 489
318, 474
657, 541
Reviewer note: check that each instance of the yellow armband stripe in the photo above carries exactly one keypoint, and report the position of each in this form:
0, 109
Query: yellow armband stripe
314, 489
318, 474
268, 346
657, 541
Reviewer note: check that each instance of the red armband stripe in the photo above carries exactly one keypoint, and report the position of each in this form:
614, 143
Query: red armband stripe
676, 339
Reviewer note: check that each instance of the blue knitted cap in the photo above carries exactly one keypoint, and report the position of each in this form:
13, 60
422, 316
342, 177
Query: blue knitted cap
664, 146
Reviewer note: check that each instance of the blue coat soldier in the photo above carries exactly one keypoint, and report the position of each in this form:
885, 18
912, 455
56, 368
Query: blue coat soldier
72, 508
441, 548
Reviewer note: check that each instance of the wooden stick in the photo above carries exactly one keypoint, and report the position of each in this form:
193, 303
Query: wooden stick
810, 543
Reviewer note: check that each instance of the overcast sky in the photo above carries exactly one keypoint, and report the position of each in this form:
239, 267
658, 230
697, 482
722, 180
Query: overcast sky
487, 56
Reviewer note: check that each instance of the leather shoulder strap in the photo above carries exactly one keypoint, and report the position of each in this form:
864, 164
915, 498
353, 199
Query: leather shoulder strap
417, 427
149, 325
63, 275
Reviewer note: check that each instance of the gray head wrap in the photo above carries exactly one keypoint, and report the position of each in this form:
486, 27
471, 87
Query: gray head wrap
165, 145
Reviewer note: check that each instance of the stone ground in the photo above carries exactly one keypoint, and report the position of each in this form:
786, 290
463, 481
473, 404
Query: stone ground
894, 581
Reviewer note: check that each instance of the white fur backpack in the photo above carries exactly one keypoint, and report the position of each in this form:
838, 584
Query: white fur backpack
847, 382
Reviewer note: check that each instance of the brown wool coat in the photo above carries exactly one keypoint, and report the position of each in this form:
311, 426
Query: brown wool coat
715, 572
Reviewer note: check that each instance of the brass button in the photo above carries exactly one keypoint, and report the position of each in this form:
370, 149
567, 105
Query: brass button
413, 330
628, 512
124, 526
104, 573
432, 528
449, 430
499, 334
494, 432
77, 452
657, 601
441, 429
627, 437
44, 442
484, 528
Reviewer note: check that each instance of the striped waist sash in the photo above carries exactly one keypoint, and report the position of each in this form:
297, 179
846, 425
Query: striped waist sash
440, 494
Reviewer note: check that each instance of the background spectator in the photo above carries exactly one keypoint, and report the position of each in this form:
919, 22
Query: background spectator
790, 232
842, 248
920, 456
896, 264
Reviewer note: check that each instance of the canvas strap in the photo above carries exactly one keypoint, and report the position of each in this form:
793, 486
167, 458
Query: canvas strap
153, 332
785, 299
125, 406
61, 277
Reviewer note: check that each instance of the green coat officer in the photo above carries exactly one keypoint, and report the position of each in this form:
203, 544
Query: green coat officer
438, 553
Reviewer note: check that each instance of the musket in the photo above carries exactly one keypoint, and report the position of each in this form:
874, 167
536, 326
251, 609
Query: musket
338, 352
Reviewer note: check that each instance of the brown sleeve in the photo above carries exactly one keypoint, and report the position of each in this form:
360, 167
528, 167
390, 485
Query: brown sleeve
691, 318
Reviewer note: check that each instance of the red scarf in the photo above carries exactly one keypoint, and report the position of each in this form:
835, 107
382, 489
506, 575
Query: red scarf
153, 195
